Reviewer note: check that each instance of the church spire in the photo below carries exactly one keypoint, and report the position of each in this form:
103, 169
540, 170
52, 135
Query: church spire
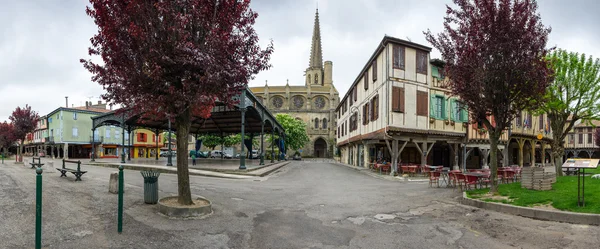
316, 55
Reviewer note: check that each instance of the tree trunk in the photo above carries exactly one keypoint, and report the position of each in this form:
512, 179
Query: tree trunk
20, 154
494, 138
558, 151
182, 124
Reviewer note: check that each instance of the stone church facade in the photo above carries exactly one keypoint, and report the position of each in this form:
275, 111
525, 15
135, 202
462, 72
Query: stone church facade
314, 102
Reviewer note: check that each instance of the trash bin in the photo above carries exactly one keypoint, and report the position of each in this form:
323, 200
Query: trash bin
150, 186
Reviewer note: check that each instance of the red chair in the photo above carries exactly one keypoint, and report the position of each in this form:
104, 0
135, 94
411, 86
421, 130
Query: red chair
425, 170
404, 169
460, 179
434, 177
471, 181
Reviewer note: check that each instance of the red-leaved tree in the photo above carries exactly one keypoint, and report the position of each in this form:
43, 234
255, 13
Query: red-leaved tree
24, 121
7, 136
495, 52
175, 58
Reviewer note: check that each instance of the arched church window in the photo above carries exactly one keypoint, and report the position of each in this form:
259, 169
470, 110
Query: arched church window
316, 79
324, 123
316, 123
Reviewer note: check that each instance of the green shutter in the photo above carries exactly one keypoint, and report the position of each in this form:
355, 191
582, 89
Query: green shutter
431, 106
452, 109
444, 113
464, 115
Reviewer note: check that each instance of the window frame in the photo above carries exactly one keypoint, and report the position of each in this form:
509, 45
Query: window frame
421, 55
399, 57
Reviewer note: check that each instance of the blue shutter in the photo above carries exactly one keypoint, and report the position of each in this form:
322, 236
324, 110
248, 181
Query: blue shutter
464, 114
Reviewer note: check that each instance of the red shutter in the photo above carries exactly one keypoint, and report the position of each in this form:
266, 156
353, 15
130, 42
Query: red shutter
374, 70
139, 137
395, 52
401, 99
422, 103
376, 106
395, 99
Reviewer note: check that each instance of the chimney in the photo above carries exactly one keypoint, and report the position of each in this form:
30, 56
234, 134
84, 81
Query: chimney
99, 102
67, 101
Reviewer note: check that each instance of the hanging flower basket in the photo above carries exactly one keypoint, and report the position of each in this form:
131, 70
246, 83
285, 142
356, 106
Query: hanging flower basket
465, 124
481, 131
431, 120
446, 121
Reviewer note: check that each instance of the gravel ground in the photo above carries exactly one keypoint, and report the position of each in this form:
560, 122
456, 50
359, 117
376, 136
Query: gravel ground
302, 205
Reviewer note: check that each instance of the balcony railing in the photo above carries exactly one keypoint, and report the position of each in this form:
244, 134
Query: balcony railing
98, 139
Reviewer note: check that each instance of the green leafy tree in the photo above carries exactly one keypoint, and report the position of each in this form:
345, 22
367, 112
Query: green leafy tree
211, 141
573, 96
295, 132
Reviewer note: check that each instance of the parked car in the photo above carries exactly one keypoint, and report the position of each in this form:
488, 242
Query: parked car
227, 155
166, 153
215, 154
199, 154
254, 154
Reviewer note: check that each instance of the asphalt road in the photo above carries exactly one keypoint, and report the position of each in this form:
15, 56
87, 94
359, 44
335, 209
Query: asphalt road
302, 205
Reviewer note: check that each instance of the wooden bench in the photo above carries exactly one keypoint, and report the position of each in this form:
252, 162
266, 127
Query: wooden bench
38, 164
78, 173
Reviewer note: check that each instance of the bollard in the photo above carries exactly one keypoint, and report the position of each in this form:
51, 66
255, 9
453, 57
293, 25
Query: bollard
120, 214
38, 209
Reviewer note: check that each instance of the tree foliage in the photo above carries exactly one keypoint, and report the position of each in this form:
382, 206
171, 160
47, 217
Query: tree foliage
174, 59
211, 141
7, 135
573, 96
495, 53
295, 132
24, 121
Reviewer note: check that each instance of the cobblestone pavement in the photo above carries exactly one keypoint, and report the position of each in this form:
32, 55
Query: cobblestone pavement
306, 204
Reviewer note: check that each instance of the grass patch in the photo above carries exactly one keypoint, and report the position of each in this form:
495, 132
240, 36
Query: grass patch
563, 195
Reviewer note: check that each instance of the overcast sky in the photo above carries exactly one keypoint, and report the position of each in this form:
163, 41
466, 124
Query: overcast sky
41, 41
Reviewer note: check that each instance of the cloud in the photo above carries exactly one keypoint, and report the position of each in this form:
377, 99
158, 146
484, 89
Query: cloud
42, 41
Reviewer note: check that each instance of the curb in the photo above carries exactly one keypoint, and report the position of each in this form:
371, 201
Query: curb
174, 171
274, 169
534, 213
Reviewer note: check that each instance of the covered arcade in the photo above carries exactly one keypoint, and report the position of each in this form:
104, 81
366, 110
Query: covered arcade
249, 116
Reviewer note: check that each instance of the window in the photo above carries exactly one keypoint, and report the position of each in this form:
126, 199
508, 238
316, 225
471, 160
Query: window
374, 108
75, 132
529, 119
117, 134
397, 99
365, 113
458, 111
127, 136
354, 122
398, 57
518, 119
580, 138
316, 123
438, 107
49, 120
107, 134
74, 116
422, 103
355, 94
589, 138
541, 122
338, 132
421, 62
366, 80
571, 138
374, 69
324, 123
316, 79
